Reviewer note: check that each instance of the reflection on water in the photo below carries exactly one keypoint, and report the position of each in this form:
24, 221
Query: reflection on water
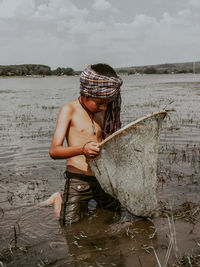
97, 240
31, 235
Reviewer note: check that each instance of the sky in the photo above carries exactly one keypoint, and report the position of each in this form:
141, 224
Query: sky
76, 33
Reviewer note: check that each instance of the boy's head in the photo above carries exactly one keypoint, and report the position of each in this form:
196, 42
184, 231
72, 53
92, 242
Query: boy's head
104, 69
100, 83
94, 104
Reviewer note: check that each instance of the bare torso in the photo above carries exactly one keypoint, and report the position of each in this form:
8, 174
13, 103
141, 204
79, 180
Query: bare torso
81, 131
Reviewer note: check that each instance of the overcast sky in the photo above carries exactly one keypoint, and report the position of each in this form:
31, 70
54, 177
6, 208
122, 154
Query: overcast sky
75, 33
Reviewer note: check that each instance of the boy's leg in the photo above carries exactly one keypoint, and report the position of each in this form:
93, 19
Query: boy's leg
108, 202
51, 200
56, 201
76, 195
104, 200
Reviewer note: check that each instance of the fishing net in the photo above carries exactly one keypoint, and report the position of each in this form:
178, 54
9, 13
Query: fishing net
127, 165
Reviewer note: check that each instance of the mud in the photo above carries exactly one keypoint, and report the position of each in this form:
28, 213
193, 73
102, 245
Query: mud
31, 235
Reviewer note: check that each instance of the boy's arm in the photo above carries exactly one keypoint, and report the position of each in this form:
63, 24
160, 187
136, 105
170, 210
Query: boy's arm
57, 150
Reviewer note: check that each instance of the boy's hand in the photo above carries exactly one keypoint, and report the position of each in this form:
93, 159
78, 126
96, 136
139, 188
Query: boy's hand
91, 149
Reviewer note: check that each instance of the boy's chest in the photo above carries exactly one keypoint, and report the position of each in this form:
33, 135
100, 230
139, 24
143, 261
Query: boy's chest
87, 124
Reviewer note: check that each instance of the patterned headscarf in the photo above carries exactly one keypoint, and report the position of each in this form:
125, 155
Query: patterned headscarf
95, 85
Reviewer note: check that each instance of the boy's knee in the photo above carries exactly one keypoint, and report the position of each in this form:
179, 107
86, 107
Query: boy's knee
72, 214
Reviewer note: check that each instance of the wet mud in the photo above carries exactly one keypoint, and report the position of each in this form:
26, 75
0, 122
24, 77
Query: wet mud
30, 235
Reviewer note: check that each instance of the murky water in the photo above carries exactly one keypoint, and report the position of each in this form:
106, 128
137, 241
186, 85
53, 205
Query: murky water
31, 235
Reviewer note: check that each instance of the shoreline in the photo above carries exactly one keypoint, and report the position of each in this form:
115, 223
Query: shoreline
122, 74
36, 76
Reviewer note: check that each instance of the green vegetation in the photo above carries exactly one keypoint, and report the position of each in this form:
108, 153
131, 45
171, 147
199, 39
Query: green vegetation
168, 68
43, 70
63, 71
33, 69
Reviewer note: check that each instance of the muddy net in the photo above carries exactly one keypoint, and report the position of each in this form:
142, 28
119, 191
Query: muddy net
127, 165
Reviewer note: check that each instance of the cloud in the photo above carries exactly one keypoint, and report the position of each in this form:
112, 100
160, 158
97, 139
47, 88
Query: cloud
47, 10
57, 10
12, 9
101, 5
195, 3
59, 33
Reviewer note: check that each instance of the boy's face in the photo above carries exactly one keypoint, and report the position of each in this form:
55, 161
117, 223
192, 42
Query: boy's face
95, 104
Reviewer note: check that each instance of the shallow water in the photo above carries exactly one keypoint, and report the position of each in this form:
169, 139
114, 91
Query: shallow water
31, 235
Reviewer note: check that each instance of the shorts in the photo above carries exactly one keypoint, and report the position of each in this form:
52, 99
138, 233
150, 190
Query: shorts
79, 189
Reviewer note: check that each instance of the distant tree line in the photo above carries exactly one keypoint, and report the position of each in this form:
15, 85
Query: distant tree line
33, 69
187, 67
43, 70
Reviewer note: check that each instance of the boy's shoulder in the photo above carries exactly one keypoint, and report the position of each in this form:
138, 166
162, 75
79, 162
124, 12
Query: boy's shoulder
69, 107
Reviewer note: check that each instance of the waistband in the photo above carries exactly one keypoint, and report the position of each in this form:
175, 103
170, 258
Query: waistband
79, 176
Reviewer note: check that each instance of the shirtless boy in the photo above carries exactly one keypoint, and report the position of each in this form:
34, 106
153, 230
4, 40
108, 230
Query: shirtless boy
84, 123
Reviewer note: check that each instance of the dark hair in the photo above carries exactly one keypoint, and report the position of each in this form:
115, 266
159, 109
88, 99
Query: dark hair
104, 69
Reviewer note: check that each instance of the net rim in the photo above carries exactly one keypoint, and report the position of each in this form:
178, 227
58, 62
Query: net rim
132, 124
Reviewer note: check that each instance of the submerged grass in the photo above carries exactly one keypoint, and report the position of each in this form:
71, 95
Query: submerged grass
188, 211
172, 245
188, 260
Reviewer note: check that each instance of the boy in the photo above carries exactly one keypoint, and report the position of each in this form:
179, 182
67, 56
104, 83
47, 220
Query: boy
84, 123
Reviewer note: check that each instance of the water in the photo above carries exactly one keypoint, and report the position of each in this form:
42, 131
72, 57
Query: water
31, 235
